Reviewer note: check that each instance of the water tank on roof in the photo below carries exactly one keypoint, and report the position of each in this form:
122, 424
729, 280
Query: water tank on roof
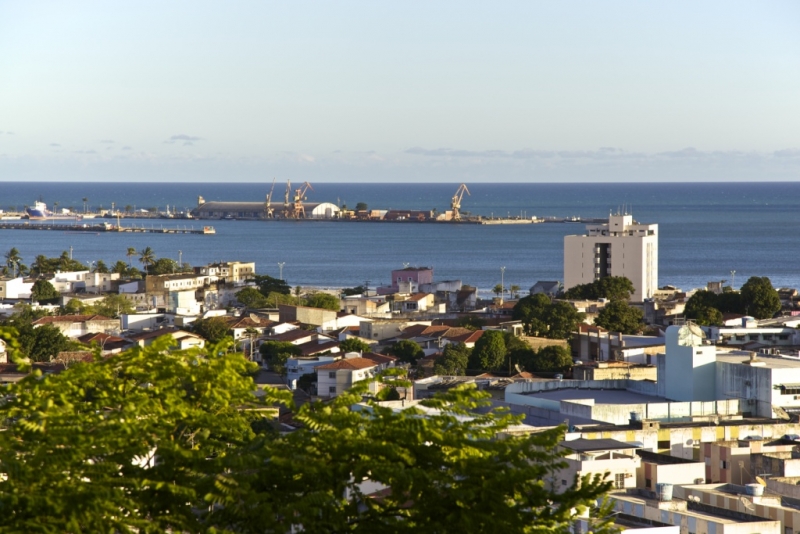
664, 491
756, 490
636, 417
559, 377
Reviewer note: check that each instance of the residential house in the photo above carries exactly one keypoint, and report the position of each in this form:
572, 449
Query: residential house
381, 330
107, 344
232, 272
77, 325
15, 288
298, 366
609, 458
549, 288
336, 377
417, 276
416, 303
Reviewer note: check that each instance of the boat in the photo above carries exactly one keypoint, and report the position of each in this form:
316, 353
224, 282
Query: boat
38, 211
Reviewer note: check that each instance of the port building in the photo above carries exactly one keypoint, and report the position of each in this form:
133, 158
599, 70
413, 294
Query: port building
619, 247
258, 210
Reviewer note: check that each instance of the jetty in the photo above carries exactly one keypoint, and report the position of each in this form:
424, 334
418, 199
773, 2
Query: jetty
104, 227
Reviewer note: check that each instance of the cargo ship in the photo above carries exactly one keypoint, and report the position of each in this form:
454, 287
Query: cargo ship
38, 211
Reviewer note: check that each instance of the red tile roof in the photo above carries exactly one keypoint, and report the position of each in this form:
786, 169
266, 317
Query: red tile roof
378, 358
50, 319
351, 364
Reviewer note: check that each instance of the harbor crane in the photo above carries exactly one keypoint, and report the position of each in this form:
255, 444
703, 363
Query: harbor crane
286, 211
298, 210
455, 203
268, 211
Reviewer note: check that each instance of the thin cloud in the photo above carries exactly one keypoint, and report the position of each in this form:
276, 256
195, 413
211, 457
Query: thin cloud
107, 141
54, 144
126, 147
183, 137
84, 152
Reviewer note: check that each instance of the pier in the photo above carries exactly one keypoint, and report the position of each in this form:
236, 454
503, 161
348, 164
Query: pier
104, 227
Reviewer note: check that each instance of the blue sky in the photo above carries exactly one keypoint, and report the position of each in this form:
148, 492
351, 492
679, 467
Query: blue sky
402, 91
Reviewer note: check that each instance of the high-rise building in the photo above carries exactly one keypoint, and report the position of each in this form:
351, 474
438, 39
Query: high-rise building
620, 247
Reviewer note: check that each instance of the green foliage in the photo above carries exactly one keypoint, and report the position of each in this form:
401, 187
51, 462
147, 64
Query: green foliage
165, 266
454, 360
707, 316
358, 290
43, 343
406, 351
126, 271
252, 298
353, 344
553, 358
44, 291
154, 441
471, 321
267, 284
13, 264
101, 267
42, 264
275, 353
213, 329
619, 316
134, 442
323, 300
112, 305
543, 318
609, 287
761, 299
490, 351
447, 473
361, 206
147, 257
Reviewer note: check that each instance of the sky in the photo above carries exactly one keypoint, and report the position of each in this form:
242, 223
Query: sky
349, 91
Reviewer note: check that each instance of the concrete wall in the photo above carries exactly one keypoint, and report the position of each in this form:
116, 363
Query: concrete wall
751, 384
690, 371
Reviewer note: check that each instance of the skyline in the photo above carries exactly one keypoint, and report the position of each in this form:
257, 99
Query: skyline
358, 92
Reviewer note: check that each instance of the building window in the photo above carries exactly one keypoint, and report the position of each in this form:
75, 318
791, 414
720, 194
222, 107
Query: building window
724, 464
619, 480
332, 374
332, 389
648, 483
664, 444
563, 482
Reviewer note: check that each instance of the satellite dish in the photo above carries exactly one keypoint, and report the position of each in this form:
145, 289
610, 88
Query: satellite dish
747, 504
761, 481
696, 330
255, 318
516, 366
781, 413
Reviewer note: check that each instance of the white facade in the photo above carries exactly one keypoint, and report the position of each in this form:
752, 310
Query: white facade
690, 366
620, 247
299, 366
15, 288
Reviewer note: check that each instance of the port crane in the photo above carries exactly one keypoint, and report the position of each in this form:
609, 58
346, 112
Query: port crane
298, 210
286, 212
268, 211
455, 203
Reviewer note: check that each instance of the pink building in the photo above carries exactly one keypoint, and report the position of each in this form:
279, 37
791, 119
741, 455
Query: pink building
408, 280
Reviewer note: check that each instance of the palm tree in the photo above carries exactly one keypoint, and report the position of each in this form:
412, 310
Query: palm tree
498, 290
13, 259
514, 289
131, 252
147, 257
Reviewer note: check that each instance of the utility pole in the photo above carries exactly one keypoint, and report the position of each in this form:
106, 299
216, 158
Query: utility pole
502, 284
733, 280
280, 269
180, 259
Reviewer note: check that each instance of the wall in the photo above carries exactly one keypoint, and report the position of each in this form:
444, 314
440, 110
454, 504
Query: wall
752, 384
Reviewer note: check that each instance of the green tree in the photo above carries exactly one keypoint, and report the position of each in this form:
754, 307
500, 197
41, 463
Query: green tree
760, 298
73, 307
490, 352
267, 284
147, 257
514, 290
323, 300
454, 360
13, 260
148, 431
164, 266
120, 267
361, 206
43, 343
167, 444
353, 344
252, 298
212, 329
113, 305
561, 320
44, 291
101, 267
531, 311
276, 353
498, 290
406, 351
619, 316
609, 287
358, 290
707, 316
552, 358
131, 252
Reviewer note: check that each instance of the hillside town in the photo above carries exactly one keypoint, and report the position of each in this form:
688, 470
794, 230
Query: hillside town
687, 401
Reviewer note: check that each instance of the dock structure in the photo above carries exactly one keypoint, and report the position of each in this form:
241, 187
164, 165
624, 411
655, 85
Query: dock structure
104, 227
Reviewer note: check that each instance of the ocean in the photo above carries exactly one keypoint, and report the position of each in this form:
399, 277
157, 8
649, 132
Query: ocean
706, 230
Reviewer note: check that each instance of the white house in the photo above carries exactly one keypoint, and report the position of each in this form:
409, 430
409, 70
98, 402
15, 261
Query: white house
620, 247
336, 377
15, 288
299, 366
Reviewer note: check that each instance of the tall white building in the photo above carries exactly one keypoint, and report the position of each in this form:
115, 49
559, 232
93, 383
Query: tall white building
620, 247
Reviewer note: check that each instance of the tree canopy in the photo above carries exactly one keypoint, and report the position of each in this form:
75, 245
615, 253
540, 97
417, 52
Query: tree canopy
490, 352
267, 284
173, 446
757, 298
44, 291
212, 329
608, 287
353, 344
454, 360
760, 298
275, 353
252, 298
542, 317
323, 300
406, 351
619, 316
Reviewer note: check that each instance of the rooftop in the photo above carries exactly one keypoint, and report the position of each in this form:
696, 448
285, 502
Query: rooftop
351, 364
589, 445
600, 396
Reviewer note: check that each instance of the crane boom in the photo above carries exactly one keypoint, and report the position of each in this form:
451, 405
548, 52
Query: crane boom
455, 203
268, 211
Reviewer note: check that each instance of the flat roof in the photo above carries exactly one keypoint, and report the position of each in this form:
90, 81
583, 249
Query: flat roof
769, 361
589, 445
600, 396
